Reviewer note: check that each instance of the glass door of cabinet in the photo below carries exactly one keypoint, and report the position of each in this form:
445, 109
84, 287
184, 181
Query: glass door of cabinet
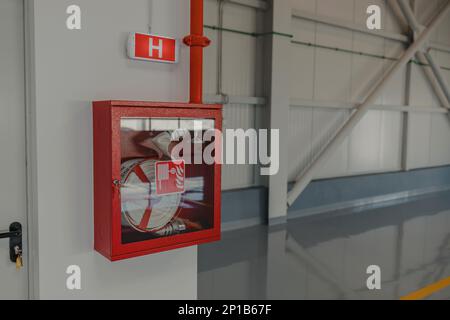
165, 189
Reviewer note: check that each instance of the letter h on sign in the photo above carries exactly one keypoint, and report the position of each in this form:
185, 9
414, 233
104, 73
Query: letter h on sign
158, 48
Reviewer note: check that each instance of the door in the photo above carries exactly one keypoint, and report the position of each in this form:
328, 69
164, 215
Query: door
13, 283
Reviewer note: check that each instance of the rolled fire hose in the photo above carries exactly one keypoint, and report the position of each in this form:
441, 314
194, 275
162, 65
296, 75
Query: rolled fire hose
142, 208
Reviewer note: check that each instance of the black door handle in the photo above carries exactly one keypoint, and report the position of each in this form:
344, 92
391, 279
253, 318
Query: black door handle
15, 240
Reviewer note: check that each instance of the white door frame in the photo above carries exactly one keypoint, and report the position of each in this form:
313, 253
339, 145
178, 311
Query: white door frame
30, 115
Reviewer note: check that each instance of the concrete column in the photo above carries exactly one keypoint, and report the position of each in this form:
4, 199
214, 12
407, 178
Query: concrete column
279, 60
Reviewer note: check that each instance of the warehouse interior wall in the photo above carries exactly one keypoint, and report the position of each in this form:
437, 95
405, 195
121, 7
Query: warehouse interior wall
329, 76
376, 143
66, 72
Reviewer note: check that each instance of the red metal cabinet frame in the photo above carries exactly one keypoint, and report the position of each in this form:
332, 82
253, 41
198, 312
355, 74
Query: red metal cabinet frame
107, 117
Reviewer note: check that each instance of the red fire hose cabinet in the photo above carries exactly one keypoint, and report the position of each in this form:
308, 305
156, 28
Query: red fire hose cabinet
155, 186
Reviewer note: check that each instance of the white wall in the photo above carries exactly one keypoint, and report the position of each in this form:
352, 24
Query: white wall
72, 69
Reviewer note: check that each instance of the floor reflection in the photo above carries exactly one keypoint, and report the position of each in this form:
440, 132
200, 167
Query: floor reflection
326, 257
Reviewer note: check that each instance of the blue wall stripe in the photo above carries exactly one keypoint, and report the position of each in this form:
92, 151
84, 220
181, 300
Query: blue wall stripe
246, 204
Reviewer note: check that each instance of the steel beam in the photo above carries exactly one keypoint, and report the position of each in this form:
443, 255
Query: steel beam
303, 180
348, 26
440, 47
409, 15
341, 105
406, 141
393, 4
429, 73
255, 4
439, 76
406, 129
230, 99
434, 74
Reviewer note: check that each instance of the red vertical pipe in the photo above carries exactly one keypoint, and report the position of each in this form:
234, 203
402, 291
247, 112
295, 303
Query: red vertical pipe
196, 41
196, 86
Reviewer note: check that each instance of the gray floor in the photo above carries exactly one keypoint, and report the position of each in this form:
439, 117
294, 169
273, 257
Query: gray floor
326, 257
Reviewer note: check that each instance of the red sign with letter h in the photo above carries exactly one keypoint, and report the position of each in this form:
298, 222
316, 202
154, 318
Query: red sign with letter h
153, 48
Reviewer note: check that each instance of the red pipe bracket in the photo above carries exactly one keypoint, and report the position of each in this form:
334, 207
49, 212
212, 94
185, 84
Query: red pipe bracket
196, 41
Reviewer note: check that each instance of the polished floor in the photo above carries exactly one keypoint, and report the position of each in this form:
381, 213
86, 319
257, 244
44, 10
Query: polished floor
327, 256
